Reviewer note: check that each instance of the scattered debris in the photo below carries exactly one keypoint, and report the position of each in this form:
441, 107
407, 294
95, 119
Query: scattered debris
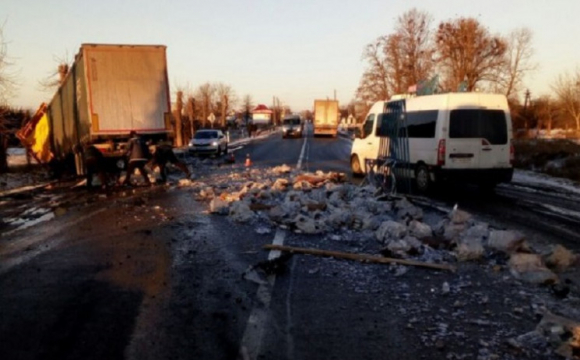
560, 333
241, 212
263, 230
531, 268
561, 258
219, 206
507, 241
469, 248
275, 266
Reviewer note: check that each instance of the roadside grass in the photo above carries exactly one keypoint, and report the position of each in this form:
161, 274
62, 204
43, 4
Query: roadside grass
555, 157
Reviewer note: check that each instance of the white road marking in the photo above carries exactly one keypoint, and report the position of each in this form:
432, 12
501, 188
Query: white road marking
236, 148
302, 152
251, 343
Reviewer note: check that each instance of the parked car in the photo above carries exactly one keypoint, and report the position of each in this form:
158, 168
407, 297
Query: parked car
208, 142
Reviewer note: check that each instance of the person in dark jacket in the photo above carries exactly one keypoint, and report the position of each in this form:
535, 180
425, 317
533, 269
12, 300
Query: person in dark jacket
138, 155
164, 154
94, 162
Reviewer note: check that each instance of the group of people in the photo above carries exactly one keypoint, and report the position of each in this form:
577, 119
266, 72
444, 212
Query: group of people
138, 158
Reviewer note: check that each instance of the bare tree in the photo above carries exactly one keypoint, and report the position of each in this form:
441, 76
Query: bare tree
7, 86
190, 110
399, 60
248, 105
567, 88
546, 111
410, 50
7, 76
56, 78
206, 94
374, 84
227, 98
468, 53
518, 62
394, 64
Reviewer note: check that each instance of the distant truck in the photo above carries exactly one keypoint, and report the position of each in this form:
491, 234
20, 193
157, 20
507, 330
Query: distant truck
326, 117
109, 91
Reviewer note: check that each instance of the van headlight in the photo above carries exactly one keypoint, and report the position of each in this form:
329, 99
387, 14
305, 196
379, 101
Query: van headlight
215, 143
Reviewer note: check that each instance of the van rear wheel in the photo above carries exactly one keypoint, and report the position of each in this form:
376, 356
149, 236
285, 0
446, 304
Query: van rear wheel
355, 166
422, 179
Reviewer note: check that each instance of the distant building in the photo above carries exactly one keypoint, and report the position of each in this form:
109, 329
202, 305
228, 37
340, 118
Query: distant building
261, 115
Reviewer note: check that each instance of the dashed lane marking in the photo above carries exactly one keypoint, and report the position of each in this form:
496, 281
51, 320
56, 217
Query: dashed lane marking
252, 340
251, 343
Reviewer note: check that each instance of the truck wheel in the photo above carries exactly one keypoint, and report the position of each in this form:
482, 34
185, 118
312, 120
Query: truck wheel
422, 180
355, 166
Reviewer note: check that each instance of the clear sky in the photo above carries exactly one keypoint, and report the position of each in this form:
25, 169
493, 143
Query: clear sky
297, 50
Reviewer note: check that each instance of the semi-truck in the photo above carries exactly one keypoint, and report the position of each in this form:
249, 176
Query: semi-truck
326, 117
108, 91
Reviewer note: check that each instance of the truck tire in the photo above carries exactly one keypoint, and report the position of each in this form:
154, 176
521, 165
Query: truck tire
355, 166
422, 179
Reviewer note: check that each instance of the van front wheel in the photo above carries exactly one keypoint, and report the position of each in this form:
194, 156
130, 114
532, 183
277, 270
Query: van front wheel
422, 180
355, 166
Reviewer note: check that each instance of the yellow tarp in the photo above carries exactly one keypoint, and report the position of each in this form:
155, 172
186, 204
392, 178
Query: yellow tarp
41, 145
35, 136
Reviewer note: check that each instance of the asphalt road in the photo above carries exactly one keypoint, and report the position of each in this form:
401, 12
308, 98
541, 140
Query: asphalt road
320, 153
150, 275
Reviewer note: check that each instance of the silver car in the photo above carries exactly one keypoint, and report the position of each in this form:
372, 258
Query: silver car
208, 142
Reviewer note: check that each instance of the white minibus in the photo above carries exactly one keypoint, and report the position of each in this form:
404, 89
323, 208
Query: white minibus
459, 136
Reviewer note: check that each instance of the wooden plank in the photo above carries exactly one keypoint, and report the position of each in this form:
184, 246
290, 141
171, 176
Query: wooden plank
359, 257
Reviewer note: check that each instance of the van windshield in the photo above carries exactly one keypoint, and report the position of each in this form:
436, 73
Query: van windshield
479, 123
291, 121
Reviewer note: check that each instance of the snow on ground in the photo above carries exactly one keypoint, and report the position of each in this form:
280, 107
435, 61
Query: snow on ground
17, 157
534, 178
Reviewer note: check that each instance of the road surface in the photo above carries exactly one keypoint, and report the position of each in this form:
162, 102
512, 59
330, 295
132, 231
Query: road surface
148, 274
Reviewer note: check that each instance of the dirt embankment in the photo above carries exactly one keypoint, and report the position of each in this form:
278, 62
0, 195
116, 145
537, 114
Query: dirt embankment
555, 157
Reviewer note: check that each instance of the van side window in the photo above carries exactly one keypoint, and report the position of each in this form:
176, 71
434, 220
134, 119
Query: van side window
477, 123
368, 126
421, 124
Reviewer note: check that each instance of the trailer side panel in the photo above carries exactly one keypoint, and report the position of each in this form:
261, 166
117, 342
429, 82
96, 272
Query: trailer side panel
128, 88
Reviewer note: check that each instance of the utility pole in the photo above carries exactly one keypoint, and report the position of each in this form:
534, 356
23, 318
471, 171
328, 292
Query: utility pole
178, 122
526, 104
334, 94
273, 110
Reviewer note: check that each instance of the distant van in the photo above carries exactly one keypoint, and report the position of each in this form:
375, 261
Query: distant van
460, 136
292, 126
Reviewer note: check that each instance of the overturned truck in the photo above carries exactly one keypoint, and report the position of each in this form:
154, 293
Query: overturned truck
109, 91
